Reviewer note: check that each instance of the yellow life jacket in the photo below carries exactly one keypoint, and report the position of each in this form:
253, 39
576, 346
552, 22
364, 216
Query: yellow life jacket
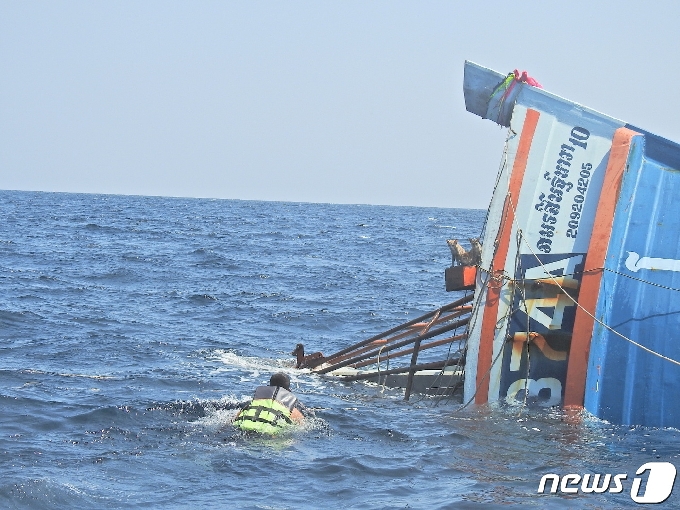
269, 411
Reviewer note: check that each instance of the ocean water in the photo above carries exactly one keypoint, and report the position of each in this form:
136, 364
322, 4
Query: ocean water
132, 327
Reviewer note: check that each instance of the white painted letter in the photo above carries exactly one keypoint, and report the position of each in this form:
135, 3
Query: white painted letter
533, 388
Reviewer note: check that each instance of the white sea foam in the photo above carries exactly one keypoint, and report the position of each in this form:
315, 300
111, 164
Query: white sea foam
63, 374
218, 415
257, 370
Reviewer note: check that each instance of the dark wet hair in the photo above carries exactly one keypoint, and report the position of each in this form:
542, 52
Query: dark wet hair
280, 379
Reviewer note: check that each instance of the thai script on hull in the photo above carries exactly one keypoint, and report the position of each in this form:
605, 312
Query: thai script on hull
549, 202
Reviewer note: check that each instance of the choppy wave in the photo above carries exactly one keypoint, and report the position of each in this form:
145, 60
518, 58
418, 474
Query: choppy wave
133, 328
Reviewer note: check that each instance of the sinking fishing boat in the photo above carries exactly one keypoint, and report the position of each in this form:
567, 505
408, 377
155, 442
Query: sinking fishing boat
576, 287
576, 296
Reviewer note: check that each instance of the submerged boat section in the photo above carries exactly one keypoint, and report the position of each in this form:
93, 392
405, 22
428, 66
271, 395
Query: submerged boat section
577, 290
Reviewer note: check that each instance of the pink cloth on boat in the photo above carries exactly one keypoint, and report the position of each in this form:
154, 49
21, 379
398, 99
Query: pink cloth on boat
525, 78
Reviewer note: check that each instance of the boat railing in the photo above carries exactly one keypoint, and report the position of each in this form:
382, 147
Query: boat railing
448, 321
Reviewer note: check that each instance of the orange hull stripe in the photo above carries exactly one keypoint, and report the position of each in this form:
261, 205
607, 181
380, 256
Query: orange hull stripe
503, 242
575, 385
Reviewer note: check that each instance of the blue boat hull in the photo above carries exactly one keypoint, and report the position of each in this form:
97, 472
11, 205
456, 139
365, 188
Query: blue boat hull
580, 271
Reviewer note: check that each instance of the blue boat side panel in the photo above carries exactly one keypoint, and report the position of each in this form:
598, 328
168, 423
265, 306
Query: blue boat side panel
663, 151
626, 384
478, 85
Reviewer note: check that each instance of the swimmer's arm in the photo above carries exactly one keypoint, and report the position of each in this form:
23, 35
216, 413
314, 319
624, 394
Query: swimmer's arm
242, 405
296, 416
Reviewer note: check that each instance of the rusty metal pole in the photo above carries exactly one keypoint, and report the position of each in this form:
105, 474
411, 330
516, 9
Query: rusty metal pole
411, 372
450, 306
414, 356
429, 345
435, 365
390, 347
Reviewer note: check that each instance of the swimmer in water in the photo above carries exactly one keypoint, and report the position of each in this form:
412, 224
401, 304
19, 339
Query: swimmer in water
272, 409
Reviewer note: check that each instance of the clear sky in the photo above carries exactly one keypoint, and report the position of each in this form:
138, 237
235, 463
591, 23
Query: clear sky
314, 101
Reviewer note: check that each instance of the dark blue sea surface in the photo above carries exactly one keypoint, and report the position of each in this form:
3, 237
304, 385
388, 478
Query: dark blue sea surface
132, 327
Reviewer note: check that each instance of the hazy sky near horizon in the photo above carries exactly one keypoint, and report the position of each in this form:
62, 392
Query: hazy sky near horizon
313, 101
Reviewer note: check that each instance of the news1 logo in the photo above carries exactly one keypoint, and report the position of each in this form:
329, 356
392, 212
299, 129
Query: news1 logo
657, 489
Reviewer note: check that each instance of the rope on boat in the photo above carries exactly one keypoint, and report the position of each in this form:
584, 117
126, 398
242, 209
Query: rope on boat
579, 273
486, 374
490, 277
478, 299
518, 270
633, 278
501, 168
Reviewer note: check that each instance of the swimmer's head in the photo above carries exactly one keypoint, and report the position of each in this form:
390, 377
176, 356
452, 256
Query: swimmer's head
280, 379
